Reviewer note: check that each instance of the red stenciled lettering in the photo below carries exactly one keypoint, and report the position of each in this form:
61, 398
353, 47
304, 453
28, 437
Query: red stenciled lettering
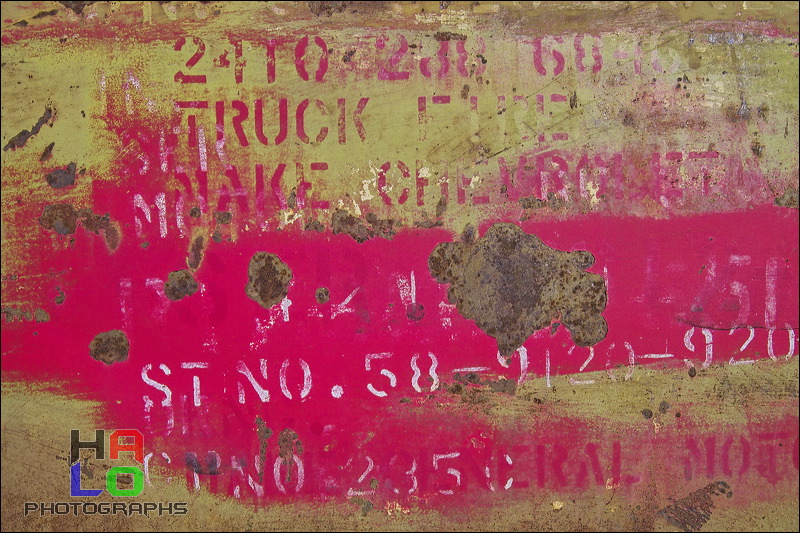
394, 61
180, 77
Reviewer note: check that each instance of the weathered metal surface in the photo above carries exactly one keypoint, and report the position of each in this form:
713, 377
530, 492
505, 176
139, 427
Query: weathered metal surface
431, 265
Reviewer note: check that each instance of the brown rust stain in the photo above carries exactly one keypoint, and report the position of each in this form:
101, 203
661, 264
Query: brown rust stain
61, 296
314, 225
512, 284
223, 217
268, 279
319, 9
449, 36
42, 14
39, 315
63, 219
692, 512
289, 444
110, 346
344, 222
264, 433
62, 177
77, 7
323, 294
789, 198
327, 8
19, 140
180, 284
95, 223
195, 256
48, 150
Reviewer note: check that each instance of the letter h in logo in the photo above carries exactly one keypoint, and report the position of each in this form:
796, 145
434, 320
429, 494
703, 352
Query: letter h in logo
99, 447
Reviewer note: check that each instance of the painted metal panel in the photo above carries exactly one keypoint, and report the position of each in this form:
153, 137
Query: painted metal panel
392, 265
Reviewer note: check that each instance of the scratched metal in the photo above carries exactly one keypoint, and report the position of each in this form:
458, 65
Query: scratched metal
292, 244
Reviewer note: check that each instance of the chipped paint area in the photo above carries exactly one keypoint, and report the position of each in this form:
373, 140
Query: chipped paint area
320, 255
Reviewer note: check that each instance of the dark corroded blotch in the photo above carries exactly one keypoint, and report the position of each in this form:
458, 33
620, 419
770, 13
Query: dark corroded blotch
195, 256
48, 151
789, 198
289, 444
62, 177
692, 512
323, 294
223, 217
19, 140
180, 284
512, 284
267, 279
77, 7
63, 219
110, 347
343, 222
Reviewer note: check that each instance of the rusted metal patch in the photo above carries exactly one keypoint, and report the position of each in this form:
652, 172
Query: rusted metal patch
395, 265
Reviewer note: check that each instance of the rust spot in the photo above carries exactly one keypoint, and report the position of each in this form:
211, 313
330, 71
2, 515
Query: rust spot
21, 24
512, 284
503, 385
441, 206
61, 177
647, 413
427, 224
415, 311
757, 148
223, 217
344, 222
348, 56
95, 223
734, 113
692, 512
573, 100
61, 296
48, 150
268, 279
314, 225
19, 140
77, 7
42, 14
449, 36
464, 92
40, 315
63, 219
323, 294
196, 253
12, 314
194, 212
628, 119
110, 347
531, 202
789, 198
263, 432
289, 444
180, 284
327, 8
